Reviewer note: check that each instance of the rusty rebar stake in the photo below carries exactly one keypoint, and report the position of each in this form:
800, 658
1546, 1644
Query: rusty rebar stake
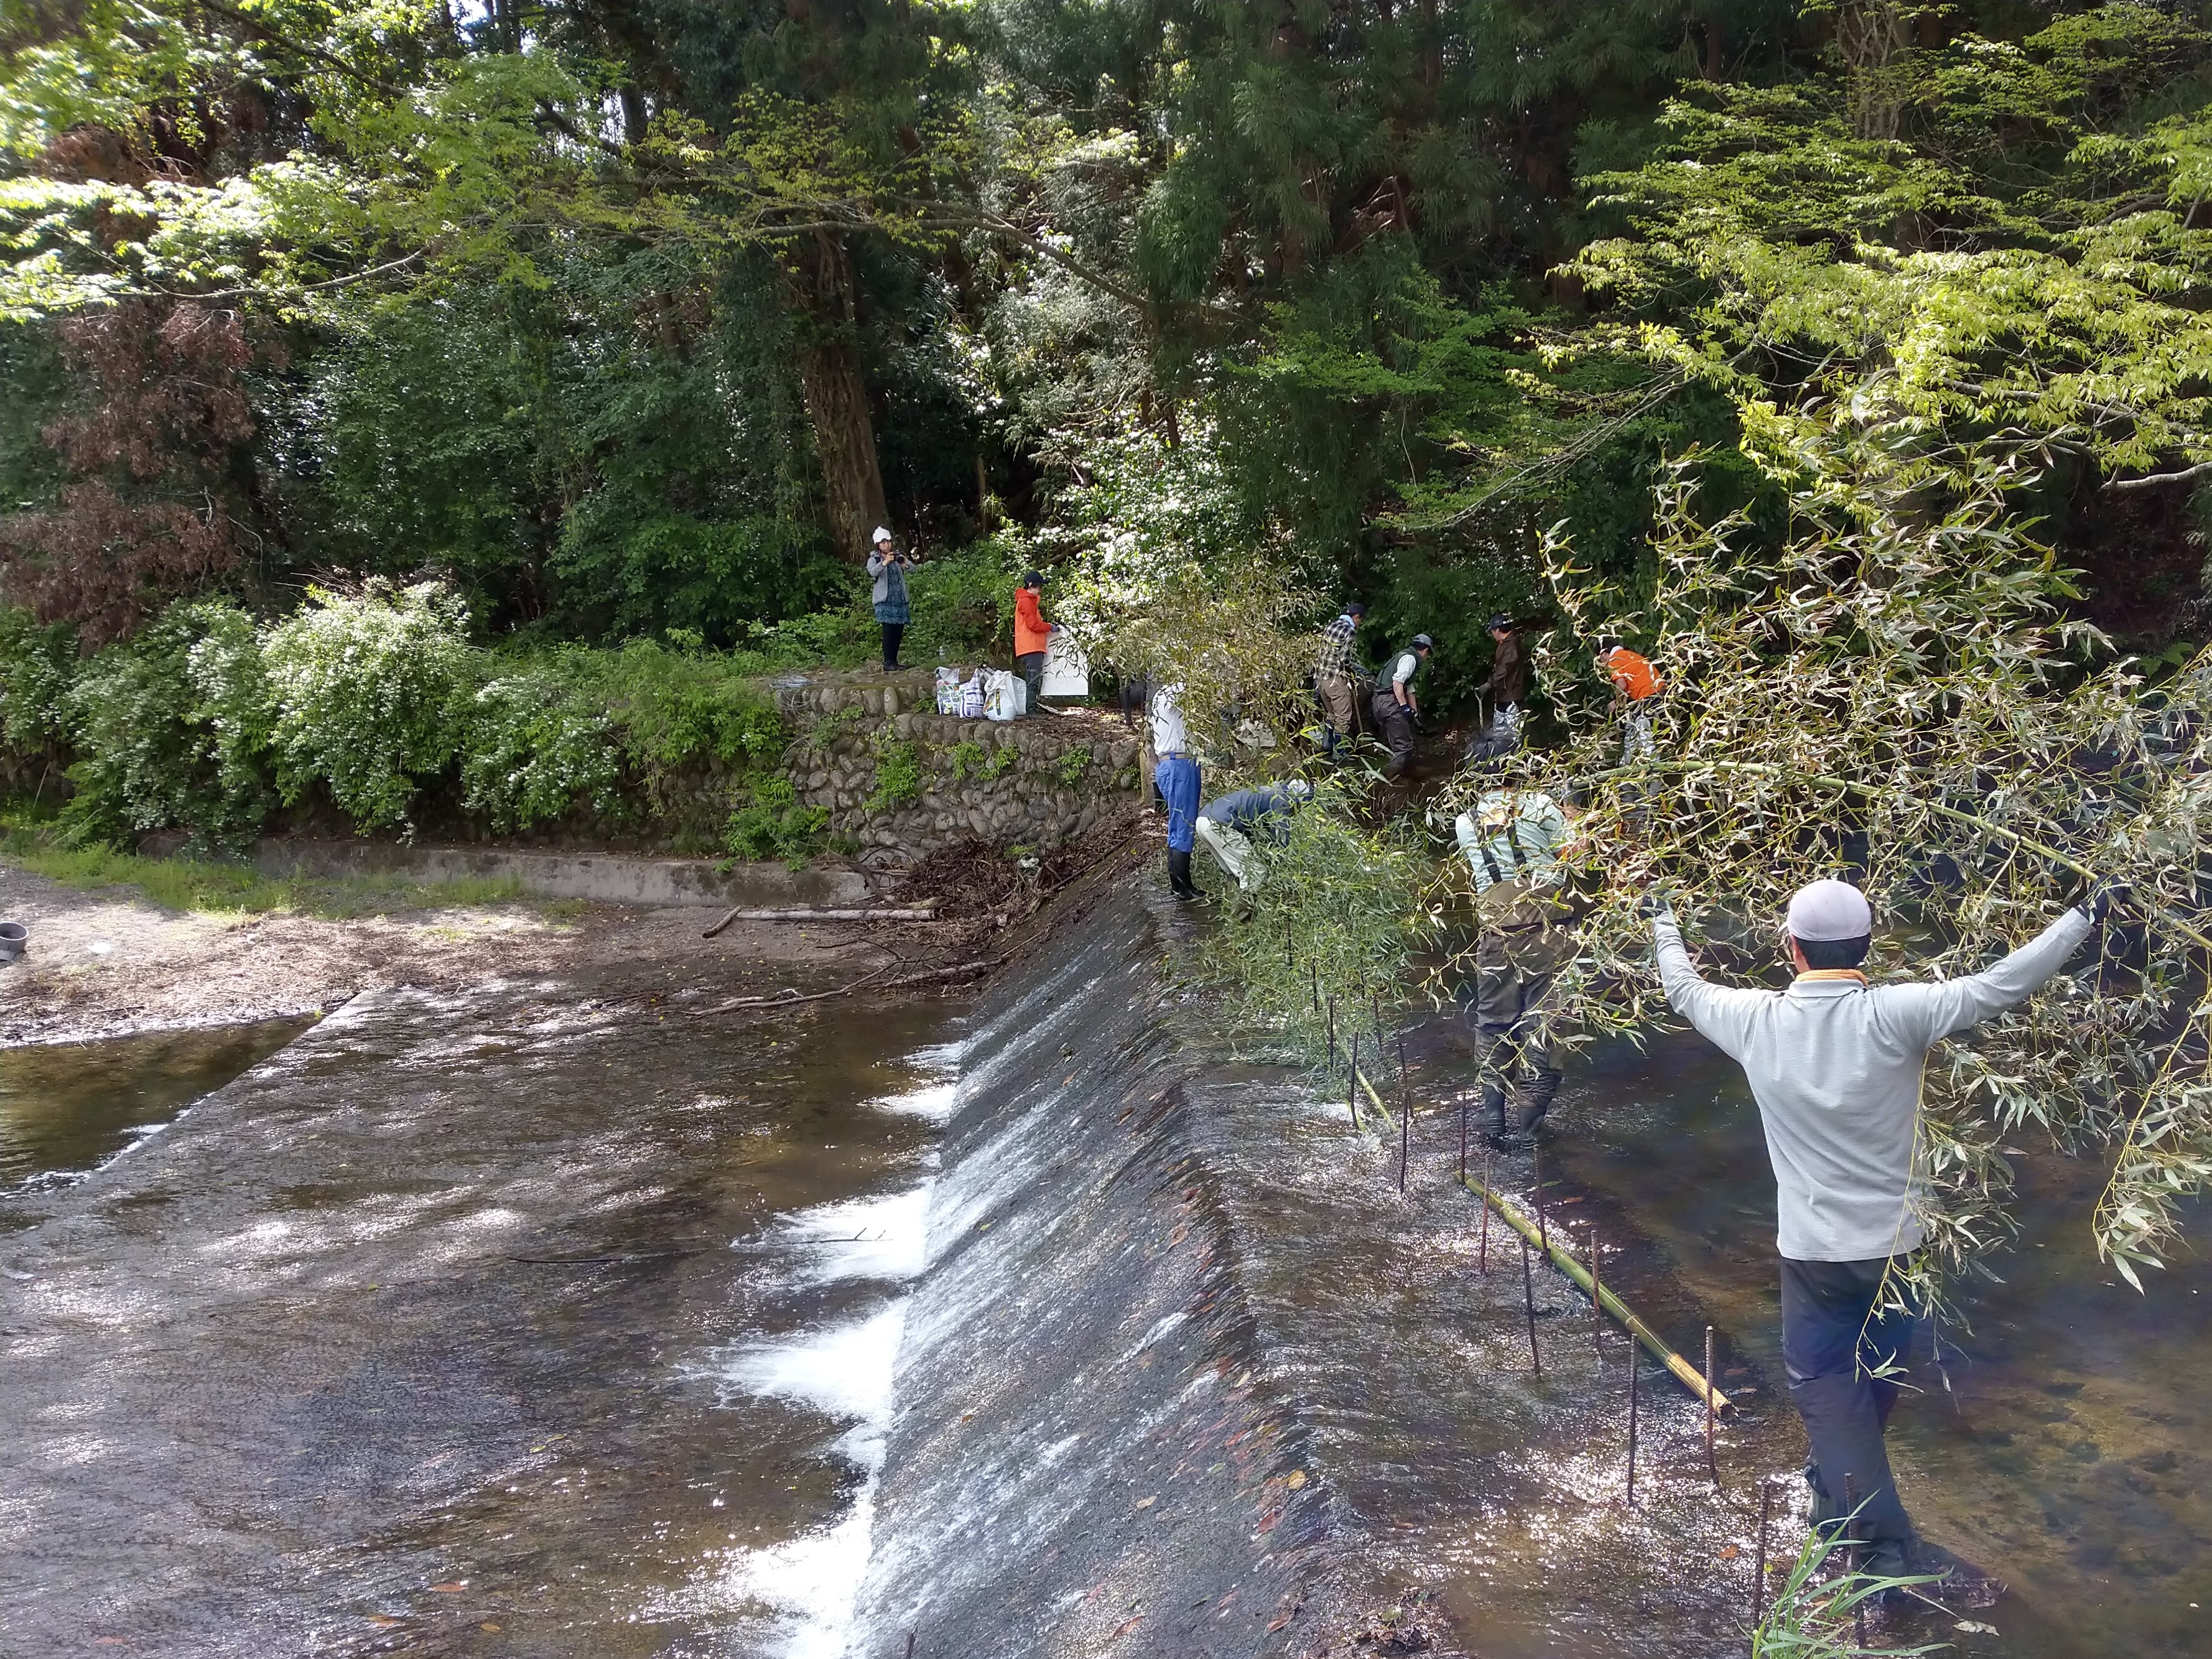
1635, 1374
1528, 1296
1712, 1460
1758, 1566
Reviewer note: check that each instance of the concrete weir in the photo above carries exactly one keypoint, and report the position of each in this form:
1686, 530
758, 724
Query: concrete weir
1087, 1446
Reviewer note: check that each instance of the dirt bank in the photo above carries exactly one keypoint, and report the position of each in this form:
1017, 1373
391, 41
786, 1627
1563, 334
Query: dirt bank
105, 961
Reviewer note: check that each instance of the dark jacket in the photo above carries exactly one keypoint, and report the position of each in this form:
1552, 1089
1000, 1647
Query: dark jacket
1509, 673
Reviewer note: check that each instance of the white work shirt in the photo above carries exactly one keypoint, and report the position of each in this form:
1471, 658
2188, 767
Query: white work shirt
1835, 1065
1521, 829
1169, 737
1408, 664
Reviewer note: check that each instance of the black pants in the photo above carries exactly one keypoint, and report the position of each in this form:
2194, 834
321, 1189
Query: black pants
1393, 724
1031, 664
1834, 1343
892, 633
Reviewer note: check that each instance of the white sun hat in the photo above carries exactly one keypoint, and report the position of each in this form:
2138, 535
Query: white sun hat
1829, 910
881, 535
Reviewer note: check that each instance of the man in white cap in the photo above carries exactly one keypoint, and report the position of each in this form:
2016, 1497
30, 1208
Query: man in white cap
1834, 1064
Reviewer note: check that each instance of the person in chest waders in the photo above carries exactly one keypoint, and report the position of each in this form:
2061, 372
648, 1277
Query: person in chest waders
1835, 1064
1511, 842
1397, 705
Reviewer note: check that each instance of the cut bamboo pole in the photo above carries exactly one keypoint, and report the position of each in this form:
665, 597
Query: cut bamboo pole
1685, 1372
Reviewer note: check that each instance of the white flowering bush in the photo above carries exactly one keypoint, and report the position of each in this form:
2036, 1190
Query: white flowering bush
537, 746
368, 689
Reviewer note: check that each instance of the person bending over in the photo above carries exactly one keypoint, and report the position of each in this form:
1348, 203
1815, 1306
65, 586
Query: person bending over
1229, 825
1834, 1064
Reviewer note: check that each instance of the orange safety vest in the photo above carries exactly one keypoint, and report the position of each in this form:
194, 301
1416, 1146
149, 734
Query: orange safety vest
1632, 674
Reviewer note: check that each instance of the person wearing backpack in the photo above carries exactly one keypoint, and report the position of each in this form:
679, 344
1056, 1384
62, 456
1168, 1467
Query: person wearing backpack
1511, 841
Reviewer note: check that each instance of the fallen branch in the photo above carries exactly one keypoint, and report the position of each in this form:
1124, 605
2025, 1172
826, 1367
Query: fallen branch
913, 913
933, 976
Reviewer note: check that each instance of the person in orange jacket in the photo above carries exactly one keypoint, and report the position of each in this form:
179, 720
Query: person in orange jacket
1032, 635
1636, 689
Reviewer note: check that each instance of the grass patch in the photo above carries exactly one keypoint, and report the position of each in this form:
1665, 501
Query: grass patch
233, 890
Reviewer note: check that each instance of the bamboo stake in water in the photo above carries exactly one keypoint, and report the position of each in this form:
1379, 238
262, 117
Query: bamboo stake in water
1635, 1372
1712, 1460
1758, 1564
1405, 1137
1528, 1296
1351, 1081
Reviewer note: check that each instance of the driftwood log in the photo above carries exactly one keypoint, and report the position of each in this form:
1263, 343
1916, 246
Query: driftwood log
932, 976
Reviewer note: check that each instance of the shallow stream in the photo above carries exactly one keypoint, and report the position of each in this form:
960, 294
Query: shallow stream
559, 1319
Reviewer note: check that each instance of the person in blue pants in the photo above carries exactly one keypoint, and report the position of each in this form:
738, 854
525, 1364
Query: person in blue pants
1177, 777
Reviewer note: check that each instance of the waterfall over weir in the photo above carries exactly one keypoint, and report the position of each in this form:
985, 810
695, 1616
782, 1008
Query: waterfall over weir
1082, 1446
1186, 1375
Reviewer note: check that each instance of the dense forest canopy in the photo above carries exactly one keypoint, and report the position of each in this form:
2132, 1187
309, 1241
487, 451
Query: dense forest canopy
632, 315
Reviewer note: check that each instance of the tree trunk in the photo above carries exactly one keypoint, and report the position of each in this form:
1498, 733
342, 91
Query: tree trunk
1875, 38
836, 395
845, 438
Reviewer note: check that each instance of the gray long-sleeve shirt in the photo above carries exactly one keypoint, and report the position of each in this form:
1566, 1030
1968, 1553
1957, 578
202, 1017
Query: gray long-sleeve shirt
1835, 1067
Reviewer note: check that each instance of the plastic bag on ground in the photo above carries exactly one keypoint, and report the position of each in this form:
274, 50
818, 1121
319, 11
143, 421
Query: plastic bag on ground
1005, 696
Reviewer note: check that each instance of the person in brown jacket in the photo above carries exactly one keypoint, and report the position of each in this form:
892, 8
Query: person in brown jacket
1507, 685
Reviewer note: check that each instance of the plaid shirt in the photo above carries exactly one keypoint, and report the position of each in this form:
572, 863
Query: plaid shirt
1335, 661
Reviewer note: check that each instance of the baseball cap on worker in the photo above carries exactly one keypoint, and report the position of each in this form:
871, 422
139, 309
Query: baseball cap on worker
1829, 910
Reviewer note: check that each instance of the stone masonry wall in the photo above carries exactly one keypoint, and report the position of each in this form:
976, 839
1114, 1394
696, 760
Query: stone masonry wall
864, 736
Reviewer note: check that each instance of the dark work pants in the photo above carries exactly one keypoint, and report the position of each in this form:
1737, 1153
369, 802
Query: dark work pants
1031, 664
1394, 723
1833, 1342
892, 631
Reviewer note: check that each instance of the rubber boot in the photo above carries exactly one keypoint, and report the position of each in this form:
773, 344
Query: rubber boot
1489, 1115
1536, 1100
1179, 881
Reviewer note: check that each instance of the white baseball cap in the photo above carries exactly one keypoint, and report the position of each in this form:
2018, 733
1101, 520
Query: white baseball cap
1829, 910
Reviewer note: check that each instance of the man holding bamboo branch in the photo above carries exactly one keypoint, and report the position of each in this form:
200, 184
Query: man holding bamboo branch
1835, 1065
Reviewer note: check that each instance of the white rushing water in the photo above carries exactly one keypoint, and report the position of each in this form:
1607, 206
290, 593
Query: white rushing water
794, 1599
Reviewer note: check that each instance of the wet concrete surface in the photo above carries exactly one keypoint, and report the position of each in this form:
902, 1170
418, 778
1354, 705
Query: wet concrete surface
456, 1327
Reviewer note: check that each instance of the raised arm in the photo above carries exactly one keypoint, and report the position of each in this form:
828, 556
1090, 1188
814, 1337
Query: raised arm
1936, 1011
1721, 1013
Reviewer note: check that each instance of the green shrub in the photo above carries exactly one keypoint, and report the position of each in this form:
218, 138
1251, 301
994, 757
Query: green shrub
1070, 768
963, 603
769, 822
898, 773
37, 667
367, 688
670, 708
975, 760
172, 728
537, 745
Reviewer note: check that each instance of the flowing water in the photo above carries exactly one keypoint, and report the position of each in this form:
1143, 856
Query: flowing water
560, 1319
546, 1319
